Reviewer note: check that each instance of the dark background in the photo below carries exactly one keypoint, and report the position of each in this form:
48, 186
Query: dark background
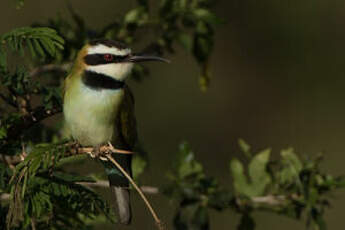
278, 81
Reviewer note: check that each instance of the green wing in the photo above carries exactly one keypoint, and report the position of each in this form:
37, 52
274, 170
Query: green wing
126, 138
126, 124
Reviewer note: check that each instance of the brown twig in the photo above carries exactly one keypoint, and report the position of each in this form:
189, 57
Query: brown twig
50, 68
71, 149
31, 118
269, 200
5, 196
151, 190
158, 222
105, 184
8, 100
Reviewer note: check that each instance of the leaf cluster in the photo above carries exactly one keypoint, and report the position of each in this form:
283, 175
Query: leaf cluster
193, 191
40, 41
289, 186
162, 27
43, 194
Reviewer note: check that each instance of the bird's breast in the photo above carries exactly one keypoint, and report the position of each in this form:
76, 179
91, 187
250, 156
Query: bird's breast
90, 114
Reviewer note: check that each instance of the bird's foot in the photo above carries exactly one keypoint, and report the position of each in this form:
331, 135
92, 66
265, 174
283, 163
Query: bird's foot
74, 147
96, 152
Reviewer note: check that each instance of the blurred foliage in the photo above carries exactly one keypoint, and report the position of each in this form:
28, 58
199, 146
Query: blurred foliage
42, 195
289, 186
187, 23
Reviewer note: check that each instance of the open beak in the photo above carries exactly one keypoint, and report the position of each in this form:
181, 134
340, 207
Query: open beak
144, 57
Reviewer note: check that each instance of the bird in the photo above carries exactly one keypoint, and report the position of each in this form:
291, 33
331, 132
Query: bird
98, 108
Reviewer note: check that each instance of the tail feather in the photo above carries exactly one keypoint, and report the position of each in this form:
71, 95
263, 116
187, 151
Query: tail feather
122, 204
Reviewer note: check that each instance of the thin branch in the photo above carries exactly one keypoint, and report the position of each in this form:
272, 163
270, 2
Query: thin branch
159, 223
269, 200
8, 100
105, 184
151, 190
29, 119
5, 196
50, 68
33, 224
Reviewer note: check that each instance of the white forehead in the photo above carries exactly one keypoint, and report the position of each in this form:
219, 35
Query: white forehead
102, 49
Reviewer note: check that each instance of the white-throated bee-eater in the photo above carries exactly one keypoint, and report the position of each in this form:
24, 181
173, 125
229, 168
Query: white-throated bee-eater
99, 108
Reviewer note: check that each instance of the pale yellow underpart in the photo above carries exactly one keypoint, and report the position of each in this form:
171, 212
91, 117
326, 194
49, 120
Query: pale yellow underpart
90, 114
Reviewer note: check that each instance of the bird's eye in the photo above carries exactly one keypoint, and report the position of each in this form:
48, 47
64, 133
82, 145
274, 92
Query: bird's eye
108, 57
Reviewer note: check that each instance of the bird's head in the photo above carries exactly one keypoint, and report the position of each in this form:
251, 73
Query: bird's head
111, 58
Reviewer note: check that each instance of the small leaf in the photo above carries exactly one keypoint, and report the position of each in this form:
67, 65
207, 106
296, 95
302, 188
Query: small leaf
73, 178
207, 16
258, 173
186, 41
245, 147
3, 132
31, 48
38, 48
48, 46
135, 15
138, 165
292, 167
239, 178
186, 165
291, 158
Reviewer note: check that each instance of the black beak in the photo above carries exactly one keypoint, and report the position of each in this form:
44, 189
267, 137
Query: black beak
144, 57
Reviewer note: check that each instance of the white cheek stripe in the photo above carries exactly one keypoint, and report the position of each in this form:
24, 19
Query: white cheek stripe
107, 69
115, 70
102, 49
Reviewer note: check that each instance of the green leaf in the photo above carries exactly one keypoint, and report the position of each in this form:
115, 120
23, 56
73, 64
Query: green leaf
73, 178
291, 158
3, 132
292, 167
186, 40
31, 48
19, 4
239, 178
39, 40
137, 15
48, 46
258, 173
187, 165
38, 48
245, 147
206, 15
138, 165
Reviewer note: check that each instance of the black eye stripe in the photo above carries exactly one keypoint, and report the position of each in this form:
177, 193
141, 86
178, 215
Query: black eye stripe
99, 59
